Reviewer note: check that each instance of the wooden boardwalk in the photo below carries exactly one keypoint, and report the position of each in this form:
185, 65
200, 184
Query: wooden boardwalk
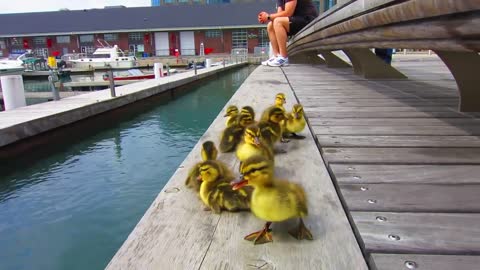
406, 163
176, 234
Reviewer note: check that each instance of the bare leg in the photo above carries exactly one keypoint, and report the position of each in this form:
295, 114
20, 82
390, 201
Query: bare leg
273, 38
281, 26
262, 236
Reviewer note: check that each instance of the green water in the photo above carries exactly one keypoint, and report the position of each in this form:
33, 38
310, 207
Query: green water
70, 204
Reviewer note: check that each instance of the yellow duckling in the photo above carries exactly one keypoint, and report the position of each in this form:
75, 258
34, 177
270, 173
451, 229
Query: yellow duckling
280, 100
253, 145
295, 122
232, 135
232, 115
208, 152
216, 192
248, 116
272, 200
271, 129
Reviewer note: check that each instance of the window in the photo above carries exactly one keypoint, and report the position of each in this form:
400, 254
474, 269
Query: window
329, 4
183, 1
15, 41
63, 39
2, 44
213, 33
135, 36
110, 37
239, 39
39, 40
168, 1
41, 52
263, 38
86, 38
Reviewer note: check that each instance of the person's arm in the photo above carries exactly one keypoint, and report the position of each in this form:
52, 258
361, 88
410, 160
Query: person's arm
264, 17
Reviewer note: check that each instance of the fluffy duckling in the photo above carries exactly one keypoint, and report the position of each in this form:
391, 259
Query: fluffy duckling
232, 135
215, 190
253, 145
273, 200
248, 116
295, 122
232, 115
208, 152
271, 128
280, 100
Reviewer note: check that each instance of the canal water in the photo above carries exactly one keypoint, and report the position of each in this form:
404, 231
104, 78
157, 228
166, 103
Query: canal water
72, 203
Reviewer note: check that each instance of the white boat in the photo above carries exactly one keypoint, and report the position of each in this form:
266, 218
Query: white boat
9, 66
106, 57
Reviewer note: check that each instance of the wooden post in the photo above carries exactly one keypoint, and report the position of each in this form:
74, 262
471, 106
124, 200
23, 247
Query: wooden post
112, 82
334, 61
309, 58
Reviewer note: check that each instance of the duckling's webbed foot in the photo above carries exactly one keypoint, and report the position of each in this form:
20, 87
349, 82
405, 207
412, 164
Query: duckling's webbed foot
283, 140
279, 151
301, 232
261, 237
296, 136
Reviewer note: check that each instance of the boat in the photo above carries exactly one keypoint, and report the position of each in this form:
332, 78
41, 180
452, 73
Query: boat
12, 66
133, 74
105, 57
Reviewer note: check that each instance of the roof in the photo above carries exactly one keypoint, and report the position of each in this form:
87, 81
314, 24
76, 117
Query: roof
163, 18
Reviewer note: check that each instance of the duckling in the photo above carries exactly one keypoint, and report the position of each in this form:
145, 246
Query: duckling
216, 192
271, 129
232, 135
280, 100
273, 200
253, 144
208, 152
247, 110
232, 115
295, 122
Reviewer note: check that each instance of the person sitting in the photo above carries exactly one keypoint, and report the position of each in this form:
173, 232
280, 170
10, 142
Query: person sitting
290, 18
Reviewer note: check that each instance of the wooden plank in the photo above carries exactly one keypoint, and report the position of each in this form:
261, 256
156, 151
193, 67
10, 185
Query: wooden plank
228, 250
375, 103
412, 198
425, 262
176, 234
398, 141
408, 174
353, 114
396, 130
309, 109
458, 122
433, 233
403, 155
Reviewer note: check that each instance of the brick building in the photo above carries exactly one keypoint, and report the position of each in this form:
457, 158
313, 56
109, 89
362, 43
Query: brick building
151, 30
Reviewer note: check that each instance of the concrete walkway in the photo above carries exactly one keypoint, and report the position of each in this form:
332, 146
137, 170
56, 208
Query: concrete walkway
29, 121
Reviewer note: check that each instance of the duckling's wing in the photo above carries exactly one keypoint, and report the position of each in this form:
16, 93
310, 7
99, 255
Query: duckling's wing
192, 181
234, 200
231, 136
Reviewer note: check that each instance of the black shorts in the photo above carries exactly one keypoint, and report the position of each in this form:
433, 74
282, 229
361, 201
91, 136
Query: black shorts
298, 22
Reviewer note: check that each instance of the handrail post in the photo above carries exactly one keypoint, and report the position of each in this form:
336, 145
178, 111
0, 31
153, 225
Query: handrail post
51, 80
195, 66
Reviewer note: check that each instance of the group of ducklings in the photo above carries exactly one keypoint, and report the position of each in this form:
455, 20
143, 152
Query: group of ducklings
269, 198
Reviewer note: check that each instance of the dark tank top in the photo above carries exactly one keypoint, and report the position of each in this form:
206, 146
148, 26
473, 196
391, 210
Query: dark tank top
303, 8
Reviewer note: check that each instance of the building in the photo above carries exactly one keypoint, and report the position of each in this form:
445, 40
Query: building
143, 30
152, 31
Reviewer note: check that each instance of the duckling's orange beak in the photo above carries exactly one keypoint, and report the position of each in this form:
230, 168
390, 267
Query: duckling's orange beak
296, 116
199, 178
225, 115
257, 141
238, 184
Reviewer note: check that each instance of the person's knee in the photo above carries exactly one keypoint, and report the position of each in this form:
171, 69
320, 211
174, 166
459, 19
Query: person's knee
270, 26
280, 23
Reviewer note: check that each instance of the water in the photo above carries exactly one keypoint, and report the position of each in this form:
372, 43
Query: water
71, 204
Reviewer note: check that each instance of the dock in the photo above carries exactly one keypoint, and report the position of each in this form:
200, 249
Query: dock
405, 161
25, 122
389, 166
175, 233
